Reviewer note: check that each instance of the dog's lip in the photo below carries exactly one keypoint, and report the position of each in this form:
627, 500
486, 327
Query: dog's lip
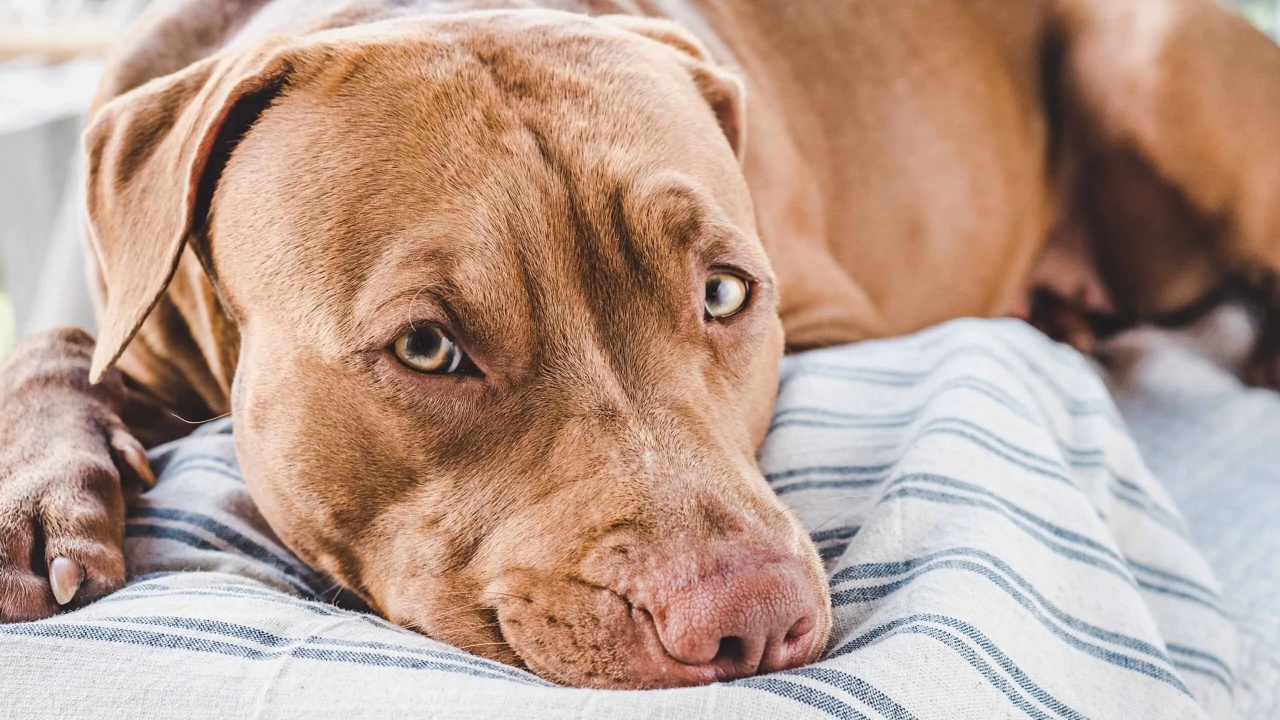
515, 659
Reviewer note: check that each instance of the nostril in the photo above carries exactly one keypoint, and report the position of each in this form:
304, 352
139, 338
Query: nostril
739, 656
754, 618
802, 627
731, 650
795, 647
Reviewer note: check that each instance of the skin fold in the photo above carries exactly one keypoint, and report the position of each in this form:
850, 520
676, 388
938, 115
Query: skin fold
280, 191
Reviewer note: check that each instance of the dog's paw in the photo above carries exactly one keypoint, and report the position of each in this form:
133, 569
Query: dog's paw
63, 454
1070, 321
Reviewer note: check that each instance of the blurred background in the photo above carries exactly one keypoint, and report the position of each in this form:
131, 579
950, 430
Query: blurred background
50, 58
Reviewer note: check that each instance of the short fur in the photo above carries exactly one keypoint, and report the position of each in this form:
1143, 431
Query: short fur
276, 190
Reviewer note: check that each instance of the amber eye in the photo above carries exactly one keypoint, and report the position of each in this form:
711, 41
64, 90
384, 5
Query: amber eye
727, 294
428, 349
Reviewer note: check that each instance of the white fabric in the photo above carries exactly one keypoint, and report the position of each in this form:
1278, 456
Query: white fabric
996, 548
1216, 444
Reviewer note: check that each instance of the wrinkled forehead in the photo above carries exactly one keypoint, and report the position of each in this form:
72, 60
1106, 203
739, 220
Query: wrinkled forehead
467, 153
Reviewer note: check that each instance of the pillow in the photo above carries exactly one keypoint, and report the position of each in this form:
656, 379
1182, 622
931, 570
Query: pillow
995, 545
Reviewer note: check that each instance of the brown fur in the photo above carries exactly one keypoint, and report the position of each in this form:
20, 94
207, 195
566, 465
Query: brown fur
269, 211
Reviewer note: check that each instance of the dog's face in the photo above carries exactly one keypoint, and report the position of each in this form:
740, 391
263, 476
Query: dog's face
508, 345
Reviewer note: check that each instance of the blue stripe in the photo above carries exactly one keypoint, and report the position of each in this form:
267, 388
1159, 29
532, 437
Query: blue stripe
877, 470
884, 376
869, 594
989, 443
271, 640
866, 693
914, 625
130, 593
977, 637
1011, 509
1078, 407
1124, 491
906, 417
842, 533
803, 694
1074, 405
1208, 599
948, 499
1086, 457
1191, 652
154, 589
247, 546
1188, 666
1213, 675
174, 641
1003, 449
1182, 595
211, 464
946, 360
163, 532
832, 552
839, 539
869, 571
1014, 514
829, 485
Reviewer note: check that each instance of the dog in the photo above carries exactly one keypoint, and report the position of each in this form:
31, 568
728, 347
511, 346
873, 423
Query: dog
496, 290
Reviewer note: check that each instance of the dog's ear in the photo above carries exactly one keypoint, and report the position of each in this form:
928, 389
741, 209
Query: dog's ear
722, 90
153, 155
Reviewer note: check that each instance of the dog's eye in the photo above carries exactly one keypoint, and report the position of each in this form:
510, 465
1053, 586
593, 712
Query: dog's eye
429, 349
727, 294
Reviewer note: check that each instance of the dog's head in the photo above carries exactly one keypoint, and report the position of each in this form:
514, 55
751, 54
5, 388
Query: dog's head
508, 338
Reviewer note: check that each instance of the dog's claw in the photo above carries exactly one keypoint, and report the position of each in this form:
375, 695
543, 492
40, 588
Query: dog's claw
135, 456
65, 576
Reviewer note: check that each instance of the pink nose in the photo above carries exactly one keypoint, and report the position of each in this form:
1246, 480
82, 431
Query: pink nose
745, 621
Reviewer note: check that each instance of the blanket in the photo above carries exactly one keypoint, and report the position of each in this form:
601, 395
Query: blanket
1215, 443
995, 545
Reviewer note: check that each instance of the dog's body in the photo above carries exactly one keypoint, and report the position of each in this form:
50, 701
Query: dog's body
908, 161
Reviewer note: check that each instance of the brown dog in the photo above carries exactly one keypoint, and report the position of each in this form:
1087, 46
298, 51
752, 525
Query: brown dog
497, 292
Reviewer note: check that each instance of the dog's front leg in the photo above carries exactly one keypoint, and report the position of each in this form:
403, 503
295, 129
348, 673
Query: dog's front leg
65, 453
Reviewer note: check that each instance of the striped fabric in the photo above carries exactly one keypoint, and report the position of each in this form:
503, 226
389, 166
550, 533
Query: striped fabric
1216, 445
996, 548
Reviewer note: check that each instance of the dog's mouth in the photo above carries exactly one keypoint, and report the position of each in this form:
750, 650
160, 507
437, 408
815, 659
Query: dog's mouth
500, 649
719, 628
577, 645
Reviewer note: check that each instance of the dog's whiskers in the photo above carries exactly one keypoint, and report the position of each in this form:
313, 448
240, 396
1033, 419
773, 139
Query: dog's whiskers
835, 517
472, 646
198, 422
461, 612
508, 595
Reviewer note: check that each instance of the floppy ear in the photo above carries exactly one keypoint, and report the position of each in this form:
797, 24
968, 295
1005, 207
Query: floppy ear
722, 90
153, 155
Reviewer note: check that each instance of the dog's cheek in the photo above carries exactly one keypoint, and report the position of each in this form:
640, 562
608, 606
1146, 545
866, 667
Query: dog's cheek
744, 382
309, 468
404, 574
763, 386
